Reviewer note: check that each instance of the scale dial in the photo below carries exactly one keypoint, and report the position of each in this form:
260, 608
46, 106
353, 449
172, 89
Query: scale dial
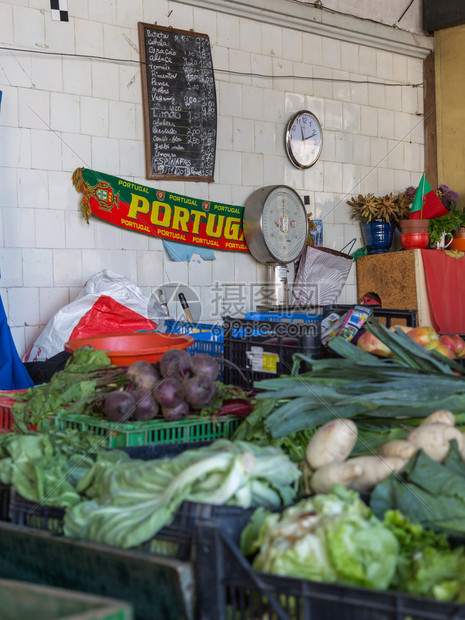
275, 225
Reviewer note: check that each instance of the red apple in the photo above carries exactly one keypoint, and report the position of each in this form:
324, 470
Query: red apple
455, 343
460, 346
444, 350
425, 336
370, 343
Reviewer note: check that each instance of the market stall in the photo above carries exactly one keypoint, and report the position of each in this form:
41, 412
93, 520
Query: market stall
98, 501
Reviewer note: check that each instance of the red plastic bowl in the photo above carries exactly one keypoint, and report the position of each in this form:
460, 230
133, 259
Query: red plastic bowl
124, 349
412, 241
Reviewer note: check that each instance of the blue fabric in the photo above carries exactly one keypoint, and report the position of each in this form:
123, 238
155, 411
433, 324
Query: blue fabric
183, 252
13, 373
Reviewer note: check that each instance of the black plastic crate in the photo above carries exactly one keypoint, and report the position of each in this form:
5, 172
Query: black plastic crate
32, 514
256, 349
162, 450
178, 538
228, 588
5, 492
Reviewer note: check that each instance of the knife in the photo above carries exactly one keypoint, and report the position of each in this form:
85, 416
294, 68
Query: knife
185, 307
162, 300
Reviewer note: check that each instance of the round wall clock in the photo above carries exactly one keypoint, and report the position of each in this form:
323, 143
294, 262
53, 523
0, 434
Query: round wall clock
304, 139
275, 225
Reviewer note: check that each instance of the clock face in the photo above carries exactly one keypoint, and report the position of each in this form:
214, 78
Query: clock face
304, 139
275, 225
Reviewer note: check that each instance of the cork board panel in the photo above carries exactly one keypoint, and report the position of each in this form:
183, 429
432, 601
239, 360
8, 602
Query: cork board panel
391, 276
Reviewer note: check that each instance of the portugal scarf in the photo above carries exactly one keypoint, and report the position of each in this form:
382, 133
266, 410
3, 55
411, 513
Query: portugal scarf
158, 213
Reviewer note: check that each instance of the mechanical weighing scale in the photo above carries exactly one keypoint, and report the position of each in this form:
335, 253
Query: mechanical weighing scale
275, 224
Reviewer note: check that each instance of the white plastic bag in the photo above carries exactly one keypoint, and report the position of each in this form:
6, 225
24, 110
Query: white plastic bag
108, 304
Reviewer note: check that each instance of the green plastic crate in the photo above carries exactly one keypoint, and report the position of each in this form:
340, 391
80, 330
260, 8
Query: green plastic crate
21, 600
114, 435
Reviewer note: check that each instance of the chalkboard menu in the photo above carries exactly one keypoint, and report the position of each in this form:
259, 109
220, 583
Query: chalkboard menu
179, 101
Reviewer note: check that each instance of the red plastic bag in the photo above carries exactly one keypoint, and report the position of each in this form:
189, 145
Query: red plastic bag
108, 304
108, 316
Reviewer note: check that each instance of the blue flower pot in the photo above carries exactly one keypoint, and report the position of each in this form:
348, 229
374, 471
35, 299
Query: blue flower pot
377, 235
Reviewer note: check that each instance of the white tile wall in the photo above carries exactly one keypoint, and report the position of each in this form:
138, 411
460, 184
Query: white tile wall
250, 36
46, 147
6, 24
243, 135
37, 267
11, 267
50, 228
76, 151
67, 268
103, 12
89, 37
58, 37
51, 300
10, 109
19, 227
62, 112
29, 27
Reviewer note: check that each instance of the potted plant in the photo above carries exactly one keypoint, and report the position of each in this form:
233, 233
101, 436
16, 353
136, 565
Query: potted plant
442, 229
378, 216
448, 197
406, 224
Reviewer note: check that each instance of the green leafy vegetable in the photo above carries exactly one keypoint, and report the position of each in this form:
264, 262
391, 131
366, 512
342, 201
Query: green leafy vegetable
87, 376
426, 566
46, 468
332, 538
429, 493
132, 501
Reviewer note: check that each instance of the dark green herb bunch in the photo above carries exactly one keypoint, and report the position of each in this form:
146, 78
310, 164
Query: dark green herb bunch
448, 224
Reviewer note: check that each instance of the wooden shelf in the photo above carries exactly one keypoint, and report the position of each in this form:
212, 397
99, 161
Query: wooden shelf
398, 278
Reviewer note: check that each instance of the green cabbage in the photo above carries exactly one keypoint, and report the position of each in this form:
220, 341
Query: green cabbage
333, 538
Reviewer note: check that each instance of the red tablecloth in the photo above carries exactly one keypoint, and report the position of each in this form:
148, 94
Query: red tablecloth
445, 280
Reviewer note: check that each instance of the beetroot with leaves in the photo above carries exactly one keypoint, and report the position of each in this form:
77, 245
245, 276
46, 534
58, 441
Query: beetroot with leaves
174, 414
142, 375
146, 406
199, 390
205, 364
169, 392
119, 406
176, 363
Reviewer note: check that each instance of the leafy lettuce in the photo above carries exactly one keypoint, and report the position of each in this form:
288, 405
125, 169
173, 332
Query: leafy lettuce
46, 468
426, 566
333, 538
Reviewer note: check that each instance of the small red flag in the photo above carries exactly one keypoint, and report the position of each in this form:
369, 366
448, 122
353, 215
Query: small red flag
426, 204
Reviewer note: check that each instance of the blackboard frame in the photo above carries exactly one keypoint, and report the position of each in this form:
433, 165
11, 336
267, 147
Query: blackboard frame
208, 147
